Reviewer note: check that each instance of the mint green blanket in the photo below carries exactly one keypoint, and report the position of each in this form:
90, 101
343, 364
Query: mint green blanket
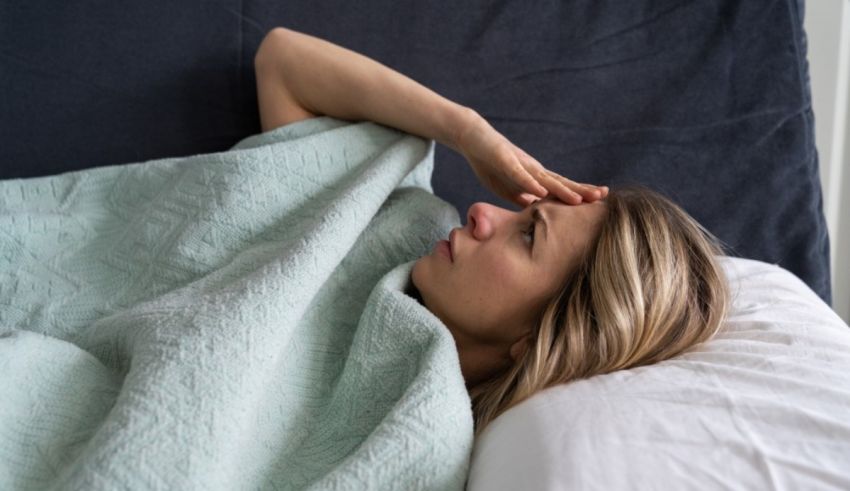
235, 320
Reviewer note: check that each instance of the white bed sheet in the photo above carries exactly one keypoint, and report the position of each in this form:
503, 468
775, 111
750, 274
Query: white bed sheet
763, 405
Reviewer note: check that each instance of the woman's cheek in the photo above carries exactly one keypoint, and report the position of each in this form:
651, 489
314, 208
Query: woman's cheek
499, 288
502, 274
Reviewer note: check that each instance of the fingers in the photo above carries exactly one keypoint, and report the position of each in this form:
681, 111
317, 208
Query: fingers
533, 177
590, 192
587, 192
522, 177
539, 178
560, 186
568, 191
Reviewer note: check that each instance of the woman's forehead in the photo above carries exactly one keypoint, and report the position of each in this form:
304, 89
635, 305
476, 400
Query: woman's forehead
572, 226
551, 201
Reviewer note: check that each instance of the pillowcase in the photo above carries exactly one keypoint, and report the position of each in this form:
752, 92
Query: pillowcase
763, 404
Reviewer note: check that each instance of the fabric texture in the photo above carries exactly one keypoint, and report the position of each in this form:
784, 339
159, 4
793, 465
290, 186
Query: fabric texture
233, 320
706, 102
765, 404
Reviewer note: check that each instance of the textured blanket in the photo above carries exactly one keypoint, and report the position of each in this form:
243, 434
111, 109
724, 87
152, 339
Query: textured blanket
235, 320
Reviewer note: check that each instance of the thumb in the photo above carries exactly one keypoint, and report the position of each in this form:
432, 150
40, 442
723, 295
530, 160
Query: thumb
526, 199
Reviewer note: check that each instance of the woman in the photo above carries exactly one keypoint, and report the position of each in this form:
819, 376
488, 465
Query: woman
579, 283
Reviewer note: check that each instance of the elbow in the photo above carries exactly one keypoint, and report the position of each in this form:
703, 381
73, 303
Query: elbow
270, 49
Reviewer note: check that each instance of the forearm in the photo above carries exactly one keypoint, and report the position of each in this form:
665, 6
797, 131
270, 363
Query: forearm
328, 79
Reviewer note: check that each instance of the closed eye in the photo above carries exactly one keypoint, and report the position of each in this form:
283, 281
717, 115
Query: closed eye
530, 233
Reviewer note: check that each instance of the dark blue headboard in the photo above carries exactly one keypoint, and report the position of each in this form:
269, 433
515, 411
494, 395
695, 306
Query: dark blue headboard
705, 101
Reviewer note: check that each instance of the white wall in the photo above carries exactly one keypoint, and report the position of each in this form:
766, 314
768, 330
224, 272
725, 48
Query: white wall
827, 25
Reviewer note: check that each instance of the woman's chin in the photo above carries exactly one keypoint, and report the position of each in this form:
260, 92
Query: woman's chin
416, 273
419, 276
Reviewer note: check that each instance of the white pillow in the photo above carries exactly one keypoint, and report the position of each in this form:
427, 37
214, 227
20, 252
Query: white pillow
763, 405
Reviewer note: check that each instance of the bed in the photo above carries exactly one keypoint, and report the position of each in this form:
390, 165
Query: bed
707, 102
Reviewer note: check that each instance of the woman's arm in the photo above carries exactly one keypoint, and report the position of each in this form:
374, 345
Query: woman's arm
306, 76
300, 76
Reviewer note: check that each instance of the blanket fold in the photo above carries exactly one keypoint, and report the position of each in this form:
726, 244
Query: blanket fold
235, 320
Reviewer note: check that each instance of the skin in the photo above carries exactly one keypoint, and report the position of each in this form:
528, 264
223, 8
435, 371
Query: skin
488, 292
301, 76
492, 293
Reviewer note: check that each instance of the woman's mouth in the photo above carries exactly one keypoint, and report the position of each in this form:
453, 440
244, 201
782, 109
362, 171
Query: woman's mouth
444, 247
447, 247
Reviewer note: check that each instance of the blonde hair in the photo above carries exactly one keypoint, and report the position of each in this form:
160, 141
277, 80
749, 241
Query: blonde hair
648, 289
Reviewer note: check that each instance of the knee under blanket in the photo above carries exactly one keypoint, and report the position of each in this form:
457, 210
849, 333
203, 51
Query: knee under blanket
234, 320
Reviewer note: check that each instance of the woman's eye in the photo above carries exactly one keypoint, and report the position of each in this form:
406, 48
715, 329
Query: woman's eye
530, 233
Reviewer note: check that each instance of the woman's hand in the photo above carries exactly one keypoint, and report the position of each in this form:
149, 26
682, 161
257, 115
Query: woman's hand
512, 174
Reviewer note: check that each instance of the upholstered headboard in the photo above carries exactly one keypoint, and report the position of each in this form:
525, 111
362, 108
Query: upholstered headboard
707, 102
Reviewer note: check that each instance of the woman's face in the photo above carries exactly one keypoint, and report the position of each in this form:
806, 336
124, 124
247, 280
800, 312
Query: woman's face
505, 267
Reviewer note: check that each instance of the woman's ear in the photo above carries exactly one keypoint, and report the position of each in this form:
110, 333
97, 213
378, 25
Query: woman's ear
520, 346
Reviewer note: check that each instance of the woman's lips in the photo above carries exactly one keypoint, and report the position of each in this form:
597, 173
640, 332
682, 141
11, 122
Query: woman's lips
444, 248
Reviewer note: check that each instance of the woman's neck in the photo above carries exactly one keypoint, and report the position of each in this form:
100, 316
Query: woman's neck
478, 362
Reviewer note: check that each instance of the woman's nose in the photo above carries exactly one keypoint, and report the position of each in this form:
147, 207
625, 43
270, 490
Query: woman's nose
483, 218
